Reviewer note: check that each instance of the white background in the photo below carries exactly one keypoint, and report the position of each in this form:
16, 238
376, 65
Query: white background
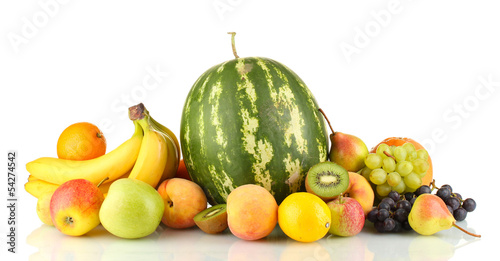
428, 70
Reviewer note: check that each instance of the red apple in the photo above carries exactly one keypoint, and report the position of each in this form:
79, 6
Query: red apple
183, 200
74, 207
348, 217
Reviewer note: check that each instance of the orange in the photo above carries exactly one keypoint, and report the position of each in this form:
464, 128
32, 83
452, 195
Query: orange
304, 217
398, 141
81, 141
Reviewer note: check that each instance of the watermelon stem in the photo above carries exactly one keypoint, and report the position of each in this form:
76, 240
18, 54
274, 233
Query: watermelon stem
326, 118
233, 44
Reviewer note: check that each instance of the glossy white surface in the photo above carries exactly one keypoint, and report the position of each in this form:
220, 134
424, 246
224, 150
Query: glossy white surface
429, 71
193, 244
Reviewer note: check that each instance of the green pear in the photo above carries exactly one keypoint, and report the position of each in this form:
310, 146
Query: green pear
132, 209
347, 150
430, 215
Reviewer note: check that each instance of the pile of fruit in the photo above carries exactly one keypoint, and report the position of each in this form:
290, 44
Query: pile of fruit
251, 162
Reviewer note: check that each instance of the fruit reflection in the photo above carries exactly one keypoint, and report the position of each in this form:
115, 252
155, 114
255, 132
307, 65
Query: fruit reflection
435, 249
127, 249
180, 244
305, 251
53, 245
244, 250
347, 248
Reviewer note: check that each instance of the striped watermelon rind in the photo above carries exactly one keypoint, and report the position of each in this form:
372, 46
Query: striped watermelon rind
251, 121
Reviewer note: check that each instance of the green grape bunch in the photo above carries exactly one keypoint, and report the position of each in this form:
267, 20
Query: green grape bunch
396, 168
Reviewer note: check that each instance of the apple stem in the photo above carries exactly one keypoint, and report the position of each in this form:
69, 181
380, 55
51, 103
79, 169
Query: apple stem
341, 198
465, 231
233, 34
389, 155
326, 118
102, 181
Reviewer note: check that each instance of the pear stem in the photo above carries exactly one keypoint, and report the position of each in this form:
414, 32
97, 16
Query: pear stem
233, 34
102, 181
326, 118
465, 231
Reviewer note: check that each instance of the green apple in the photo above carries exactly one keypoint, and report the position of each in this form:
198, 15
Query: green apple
74, 207
132, 209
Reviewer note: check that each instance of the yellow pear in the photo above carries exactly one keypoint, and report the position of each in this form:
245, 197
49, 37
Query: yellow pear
430, 215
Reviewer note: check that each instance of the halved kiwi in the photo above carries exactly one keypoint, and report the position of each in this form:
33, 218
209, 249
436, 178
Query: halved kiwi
327, 180
212, 220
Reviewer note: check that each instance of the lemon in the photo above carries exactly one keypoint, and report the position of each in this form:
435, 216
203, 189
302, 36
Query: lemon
304, 217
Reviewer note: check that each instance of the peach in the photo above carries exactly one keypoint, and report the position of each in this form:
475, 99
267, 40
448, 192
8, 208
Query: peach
183, 200
360, 190
252, 212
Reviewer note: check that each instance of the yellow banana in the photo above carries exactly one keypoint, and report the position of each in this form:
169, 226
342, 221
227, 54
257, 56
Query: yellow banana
166, 131
173, 151
152, 157
173, 147
37, 187
112, 165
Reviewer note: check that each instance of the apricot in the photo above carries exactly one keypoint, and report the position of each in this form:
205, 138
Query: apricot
398, 141
183, 199
252, 212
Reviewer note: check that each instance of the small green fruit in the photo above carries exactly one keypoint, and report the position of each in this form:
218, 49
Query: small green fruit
132, 209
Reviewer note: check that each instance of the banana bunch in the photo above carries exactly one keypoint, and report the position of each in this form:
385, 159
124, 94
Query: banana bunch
151, 155
159, 145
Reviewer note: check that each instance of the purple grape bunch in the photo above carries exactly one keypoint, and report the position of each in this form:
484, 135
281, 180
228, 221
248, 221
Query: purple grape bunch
391, 213
456, 205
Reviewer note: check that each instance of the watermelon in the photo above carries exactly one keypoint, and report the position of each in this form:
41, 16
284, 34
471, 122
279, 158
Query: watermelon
251, 121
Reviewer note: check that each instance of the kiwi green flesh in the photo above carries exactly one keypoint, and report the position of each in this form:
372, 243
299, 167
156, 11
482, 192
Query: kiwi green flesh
328, 179
211, 212
212, 220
